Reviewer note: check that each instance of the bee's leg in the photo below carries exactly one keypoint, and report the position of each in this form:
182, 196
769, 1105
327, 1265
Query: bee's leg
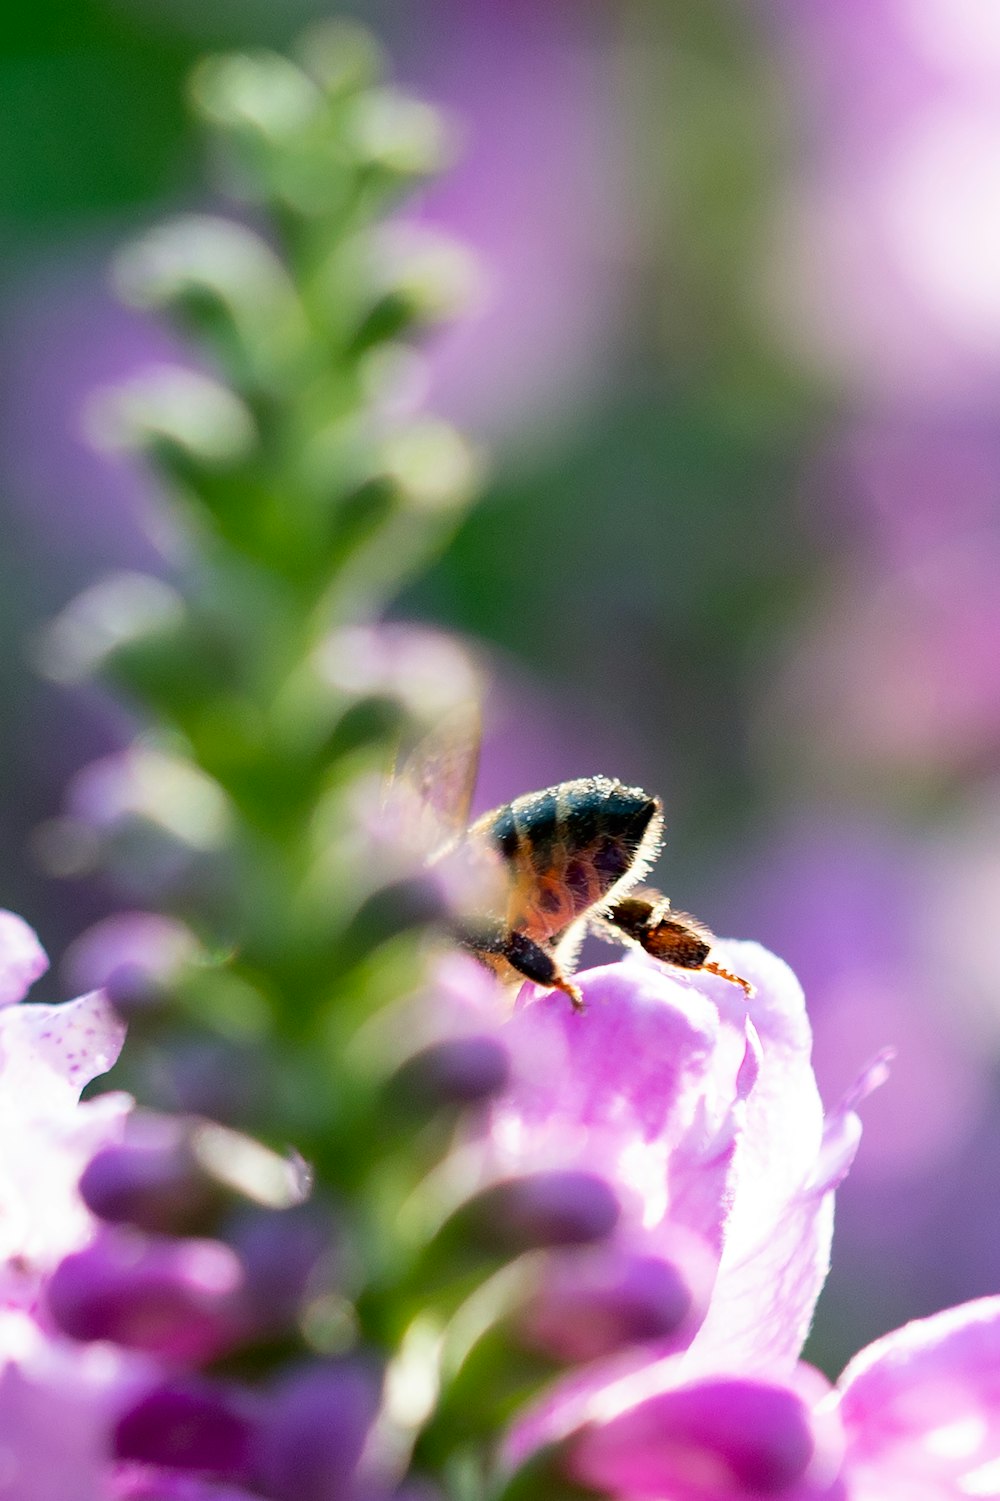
523, 955
646, 918
726, 974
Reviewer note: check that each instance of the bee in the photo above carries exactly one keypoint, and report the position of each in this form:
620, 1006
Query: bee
561, 862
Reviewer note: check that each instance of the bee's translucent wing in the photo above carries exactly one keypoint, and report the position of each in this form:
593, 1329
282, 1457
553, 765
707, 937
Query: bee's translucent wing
433, 781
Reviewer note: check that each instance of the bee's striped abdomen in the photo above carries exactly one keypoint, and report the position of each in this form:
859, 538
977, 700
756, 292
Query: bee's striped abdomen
568, 846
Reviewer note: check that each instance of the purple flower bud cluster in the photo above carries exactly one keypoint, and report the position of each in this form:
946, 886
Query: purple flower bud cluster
653, 1179
112, 1309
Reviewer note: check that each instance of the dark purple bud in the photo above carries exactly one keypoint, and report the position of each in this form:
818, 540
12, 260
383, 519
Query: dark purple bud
151, 1179
189, 1425
458, 1071
555, 1208
413, 901
135, 992
174, 1298
289, 1257
594, 1304
723, 1438
316, 1424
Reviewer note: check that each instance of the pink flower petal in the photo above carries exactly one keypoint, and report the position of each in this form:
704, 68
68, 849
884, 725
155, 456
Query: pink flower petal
777, 1246
921, 1409
765, 1294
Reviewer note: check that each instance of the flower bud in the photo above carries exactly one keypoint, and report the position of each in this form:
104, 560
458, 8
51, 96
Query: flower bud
456, 1071
261, 91
590, 1305
399, 135
410, 902
118, 610
716, 1440
142, 783
189, 421
151, 1179
188, 1425
419, 1488
316, 1424
426, 671
224, 280
433, 468
134, 957
553, 1208
341, 56
177, 1299
418, 277
136, 993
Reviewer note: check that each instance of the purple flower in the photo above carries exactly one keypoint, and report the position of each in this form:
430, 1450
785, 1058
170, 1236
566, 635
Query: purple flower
702, 1109
649, 1091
